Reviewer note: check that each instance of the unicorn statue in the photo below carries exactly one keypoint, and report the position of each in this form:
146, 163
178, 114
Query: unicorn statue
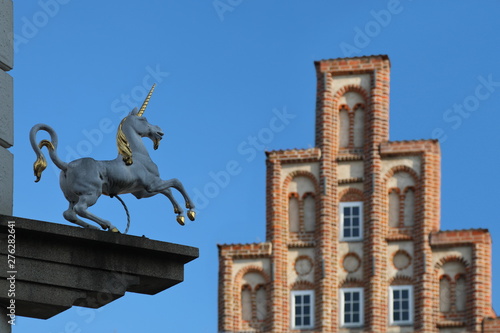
133, 171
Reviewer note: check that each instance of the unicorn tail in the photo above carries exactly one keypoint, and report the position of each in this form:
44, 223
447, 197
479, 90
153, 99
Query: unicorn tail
41, 163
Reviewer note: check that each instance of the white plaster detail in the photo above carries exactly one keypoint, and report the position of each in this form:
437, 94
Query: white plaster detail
392, 248
263, 263
303, 265
293, 214
453, 330
343, 129
301, 185
350, 99
246, 304
460, 294
253, 279
261, 306
350, 247
444, 295
401, 260
357, 186
401, 180
393, 209
350, 169
309, 213
400, 329
409, 208
311, 167
452, 269
351, 263
359, 127
293, 254
458, 251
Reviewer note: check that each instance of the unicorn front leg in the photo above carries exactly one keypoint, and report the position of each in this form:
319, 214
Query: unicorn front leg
163, 186
177, 208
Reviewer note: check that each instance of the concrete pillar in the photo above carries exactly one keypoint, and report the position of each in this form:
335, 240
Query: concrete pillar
6, 33
6, 141
6, 123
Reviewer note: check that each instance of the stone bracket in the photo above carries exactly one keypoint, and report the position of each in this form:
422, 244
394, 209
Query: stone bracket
59, 266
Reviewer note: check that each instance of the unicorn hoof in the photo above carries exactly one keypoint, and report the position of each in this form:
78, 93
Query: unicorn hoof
114, 230
191, 214
180, 219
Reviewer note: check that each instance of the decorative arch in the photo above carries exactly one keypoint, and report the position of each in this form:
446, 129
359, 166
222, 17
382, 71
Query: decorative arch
401, 203
308, 194
302, 285
401, 168
351, 194
401, 280
409, 188
452, 258
394, 189
351, 121
359, 106
303, 214
300, 173
351, 283
458, 286
350, 88
250, 269
252, 318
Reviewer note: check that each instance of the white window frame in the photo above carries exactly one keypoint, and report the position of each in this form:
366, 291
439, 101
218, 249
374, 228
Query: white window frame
342, 205
292, 306
343, 291
391, 305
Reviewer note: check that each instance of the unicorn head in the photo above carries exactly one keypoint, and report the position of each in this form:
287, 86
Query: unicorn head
141, 127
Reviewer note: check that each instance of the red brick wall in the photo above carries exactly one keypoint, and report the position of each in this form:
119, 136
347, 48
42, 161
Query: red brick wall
491, 325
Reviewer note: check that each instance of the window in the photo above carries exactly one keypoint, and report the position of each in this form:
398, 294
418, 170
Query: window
302, 309
401, 305
351, 307
351, 221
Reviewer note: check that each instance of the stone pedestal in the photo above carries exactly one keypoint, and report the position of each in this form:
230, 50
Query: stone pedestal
58, 266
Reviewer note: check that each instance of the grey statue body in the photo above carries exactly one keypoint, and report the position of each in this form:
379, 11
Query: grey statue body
84, 180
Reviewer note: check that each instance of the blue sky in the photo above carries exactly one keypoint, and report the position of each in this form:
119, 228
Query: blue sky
224, 69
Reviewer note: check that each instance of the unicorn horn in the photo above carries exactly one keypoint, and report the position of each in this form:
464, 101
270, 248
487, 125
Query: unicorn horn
146, 101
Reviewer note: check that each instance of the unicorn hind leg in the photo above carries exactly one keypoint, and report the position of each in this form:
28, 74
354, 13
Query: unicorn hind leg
84, 202
70, 215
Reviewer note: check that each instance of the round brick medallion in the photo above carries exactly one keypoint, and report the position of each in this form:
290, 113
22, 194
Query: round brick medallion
351, 263
401, 259
303, 265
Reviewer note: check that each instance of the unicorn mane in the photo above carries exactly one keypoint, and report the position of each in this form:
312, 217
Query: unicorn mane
123, 145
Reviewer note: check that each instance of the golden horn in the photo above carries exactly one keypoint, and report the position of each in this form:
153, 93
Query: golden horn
146, 101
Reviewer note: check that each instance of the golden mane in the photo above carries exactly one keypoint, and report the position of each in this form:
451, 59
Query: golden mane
123, 145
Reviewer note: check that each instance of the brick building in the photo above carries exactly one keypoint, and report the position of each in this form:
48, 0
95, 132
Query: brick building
353, 240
